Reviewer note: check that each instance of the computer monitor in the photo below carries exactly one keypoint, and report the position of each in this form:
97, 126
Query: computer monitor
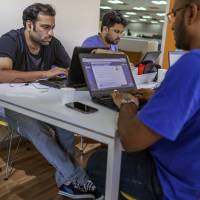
76, 77
174, 56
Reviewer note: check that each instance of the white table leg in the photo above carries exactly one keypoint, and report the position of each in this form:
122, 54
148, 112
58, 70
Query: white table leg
113, 170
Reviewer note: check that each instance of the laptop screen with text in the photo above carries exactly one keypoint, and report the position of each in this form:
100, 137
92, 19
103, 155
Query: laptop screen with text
107, 73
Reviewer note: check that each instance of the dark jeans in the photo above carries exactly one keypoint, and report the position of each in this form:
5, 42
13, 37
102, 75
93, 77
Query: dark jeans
138, 175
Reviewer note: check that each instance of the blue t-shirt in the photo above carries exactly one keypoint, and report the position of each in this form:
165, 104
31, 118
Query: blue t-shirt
174, 113
96, 41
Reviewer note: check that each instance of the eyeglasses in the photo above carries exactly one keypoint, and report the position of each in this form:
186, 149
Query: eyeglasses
172, 15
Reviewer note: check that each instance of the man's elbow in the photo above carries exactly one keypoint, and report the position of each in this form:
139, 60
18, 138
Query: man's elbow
130, 146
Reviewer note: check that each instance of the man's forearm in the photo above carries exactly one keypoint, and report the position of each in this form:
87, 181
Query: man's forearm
134, 135
126, 116
13, 76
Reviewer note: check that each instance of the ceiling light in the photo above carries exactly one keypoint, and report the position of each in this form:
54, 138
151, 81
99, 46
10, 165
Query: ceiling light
105, 7
139, 8
125, 15
162, 21
133, 20
115, 2
147, 17
131, 13
154, 22
143, 20
160, 14
160, 2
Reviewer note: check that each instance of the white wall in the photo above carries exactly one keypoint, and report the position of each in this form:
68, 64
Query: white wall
146, 29
75, 19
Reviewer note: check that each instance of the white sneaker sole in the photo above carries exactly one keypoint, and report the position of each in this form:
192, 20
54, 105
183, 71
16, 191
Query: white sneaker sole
81, 196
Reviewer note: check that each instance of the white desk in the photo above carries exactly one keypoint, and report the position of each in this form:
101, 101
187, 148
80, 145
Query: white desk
46, 106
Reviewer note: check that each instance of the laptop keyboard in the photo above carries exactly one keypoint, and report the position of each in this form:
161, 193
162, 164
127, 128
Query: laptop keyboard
107, 102
54, 83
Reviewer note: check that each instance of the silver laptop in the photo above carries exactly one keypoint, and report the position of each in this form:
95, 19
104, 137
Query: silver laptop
105, 73
174, 56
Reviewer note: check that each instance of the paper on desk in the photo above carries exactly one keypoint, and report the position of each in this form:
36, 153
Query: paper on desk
144, 78
20, 90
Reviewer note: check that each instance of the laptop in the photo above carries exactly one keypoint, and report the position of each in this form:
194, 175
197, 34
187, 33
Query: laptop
75, 78
151, 56
104, 73
174, 56
56, 82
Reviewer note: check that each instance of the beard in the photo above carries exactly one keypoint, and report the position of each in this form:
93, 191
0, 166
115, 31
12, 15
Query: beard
41, 41
181, 37
111, 41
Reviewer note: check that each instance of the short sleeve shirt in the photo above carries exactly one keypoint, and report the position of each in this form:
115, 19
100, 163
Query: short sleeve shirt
174, 113
96, 41
13, 45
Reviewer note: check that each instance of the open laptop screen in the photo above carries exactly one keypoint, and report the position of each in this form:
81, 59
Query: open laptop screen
174, 56
107, 73
151, 56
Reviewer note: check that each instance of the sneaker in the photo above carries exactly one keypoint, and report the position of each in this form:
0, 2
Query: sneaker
77, 191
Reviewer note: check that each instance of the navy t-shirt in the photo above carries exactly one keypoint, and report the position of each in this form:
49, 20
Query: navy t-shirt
96, 41
174, 113
13, 45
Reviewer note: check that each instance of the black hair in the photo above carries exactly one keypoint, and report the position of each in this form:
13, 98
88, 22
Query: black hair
111, 18
31, 12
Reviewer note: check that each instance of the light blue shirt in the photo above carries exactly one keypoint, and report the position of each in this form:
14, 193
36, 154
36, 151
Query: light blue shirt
96, 41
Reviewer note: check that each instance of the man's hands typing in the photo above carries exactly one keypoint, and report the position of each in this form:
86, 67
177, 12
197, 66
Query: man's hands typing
56, 71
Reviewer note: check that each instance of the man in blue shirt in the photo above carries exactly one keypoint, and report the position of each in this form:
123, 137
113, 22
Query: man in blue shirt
166, 131
112, 27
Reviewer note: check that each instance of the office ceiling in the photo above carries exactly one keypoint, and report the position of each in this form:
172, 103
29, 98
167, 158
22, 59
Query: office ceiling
151, 9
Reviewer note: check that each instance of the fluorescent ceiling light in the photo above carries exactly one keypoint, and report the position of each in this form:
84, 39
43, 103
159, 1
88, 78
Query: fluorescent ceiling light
139, 8
143, 20
105, 7
154, 22
160, 2
160, 14
125, 15
162, 21
115, 2
147, 17
133, 20
131, 13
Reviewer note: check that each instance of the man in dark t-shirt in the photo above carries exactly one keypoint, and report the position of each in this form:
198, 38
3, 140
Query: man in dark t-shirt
32, 53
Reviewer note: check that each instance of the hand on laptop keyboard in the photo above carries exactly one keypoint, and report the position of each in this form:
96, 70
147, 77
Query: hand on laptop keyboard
56, 71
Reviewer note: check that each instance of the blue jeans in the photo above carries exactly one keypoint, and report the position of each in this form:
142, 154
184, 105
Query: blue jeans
57, 150
138, 174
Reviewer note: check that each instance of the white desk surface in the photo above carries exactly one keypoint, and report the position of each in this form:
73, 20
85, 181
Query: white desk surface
45, 105
48, 102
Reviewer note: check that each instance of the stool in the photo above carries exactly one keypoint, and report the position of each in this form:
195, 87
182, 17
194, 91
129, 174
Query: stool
9, 137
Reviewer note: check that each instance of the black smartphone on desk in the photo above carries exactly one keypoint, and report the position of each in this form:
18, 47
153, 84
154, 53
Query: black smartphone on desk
81, 107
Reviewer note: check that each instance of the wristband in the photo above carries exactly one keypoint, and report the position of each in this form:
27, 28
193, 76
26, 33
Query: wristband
128, 100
